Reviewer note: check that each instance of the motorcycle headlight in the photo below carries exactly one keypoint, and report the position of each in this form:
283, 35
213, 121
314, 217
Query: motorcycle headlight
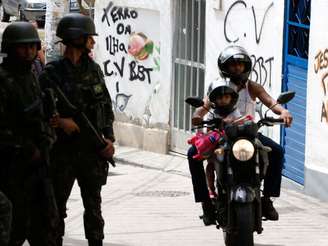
243, 150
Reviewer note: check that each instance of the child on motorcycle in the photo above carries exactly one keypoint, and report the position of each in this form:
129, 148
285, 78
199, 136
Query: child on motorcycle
221, 105
223, 99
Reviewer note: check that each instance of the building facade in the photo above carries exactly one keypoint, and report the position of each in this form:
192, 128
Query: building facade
156, 53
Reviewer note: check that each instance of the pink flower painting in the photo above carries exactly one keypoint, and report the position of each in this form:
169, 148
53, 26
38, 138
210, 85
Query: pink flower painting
140, 47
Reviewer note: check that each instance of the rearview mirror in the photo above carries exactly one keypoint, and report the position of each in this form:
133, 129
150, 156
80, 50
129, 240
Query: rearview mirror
285, 97
195, 101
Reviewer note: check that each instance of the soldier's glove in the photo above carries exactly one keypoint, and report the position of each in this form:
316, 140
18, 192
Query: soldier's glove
68, 125
108, 152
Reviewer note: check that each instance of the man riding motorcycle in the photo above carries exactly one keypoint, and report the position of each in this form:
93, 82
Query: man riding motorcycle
235, 65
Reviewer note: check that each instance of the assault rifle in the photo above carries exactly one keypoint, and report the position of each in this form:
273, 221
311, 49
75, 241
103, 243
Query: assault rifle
48, 109
99, 140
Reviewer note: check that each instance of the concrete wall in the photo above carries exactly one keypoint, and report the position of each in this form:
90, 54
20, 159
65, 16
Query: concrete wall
316, 163
258, 27
140, 86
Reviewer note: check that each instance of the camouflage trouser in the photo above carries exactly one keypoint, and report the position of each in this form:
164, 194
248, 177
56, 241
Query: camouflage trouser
91, 174
33, 219
5, 219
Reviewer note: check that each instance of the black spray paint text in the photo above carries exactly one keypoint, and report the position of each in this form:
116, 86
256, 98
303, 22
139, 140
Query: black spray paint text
262, 70
137, 71
115, 13
257, 34
114, 45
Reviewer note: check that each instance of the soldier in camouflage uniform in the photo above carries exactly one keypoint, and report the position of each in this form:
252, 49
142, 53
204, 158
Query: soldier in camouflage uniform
23, 134
75, 155
5, 219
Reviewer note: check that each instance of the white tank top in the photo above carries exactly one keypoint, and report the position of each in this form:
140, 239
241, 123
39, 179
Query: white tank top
246, 105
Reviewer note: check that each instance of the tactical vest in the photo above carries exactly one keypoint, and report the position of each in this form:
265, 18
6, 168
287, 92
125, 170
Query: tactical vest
22, 122
84, 87
22, 113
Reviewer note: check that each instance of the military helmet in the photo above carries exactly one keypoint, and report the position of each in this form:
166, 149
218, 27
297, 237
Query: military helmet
19, 33
73, 26
231, 54
224, 87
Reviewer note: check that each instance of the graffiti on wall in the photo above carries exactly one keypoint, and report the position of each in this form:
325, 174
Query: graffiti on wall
262, 66
132, 57
140, 46
262, 70
321, 64
258, 33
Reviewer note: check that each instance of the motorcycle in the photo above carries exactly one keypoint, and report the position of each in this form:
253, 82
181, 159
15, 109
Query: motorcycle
241, 162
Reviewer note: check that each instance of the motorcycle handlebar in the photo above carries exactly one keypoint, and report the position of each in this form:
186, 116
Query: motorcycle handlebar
266, 121
211, 122
208, 123
274, 120
270, 121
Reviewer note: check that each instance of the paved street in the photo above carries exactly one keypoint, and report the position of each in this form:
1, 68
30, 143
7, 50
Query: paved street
144, 206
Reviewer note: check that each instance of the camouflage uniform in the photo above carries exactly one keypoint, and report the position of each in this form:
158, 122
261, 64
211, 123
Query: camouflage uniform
76, 156
22, 132
5, 219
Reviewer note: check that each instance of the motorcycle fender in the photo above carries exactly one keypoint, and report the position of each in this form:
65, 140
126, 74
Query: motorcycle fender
242, 194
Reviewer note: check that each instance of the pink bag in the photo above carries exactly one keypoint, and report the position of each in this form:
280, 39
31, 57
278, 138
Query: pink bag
205, 144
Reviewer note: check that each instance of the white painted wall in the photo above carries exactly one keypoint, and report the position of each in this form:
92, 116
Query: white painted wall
144, 102
317, 124
262, 37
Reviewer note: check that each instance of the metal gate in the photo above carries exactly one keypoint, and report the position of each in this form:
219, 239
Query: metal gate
297, 29
189, 68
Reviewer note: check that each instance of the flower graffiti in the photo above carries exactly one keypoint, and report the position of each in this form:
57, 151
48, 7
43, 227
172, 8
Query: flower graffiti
140, 47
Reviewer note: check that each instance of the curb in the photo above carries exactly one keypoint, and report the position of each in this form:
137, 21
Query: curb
124, 161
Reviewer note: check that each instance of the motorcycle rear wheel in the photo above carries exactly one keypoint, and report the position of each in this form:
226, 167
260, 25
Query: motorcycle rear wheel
242, 235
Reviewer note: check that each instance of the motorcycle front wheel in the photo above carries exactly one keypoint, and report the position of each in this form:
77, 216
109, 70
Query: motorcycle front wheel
242, 233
